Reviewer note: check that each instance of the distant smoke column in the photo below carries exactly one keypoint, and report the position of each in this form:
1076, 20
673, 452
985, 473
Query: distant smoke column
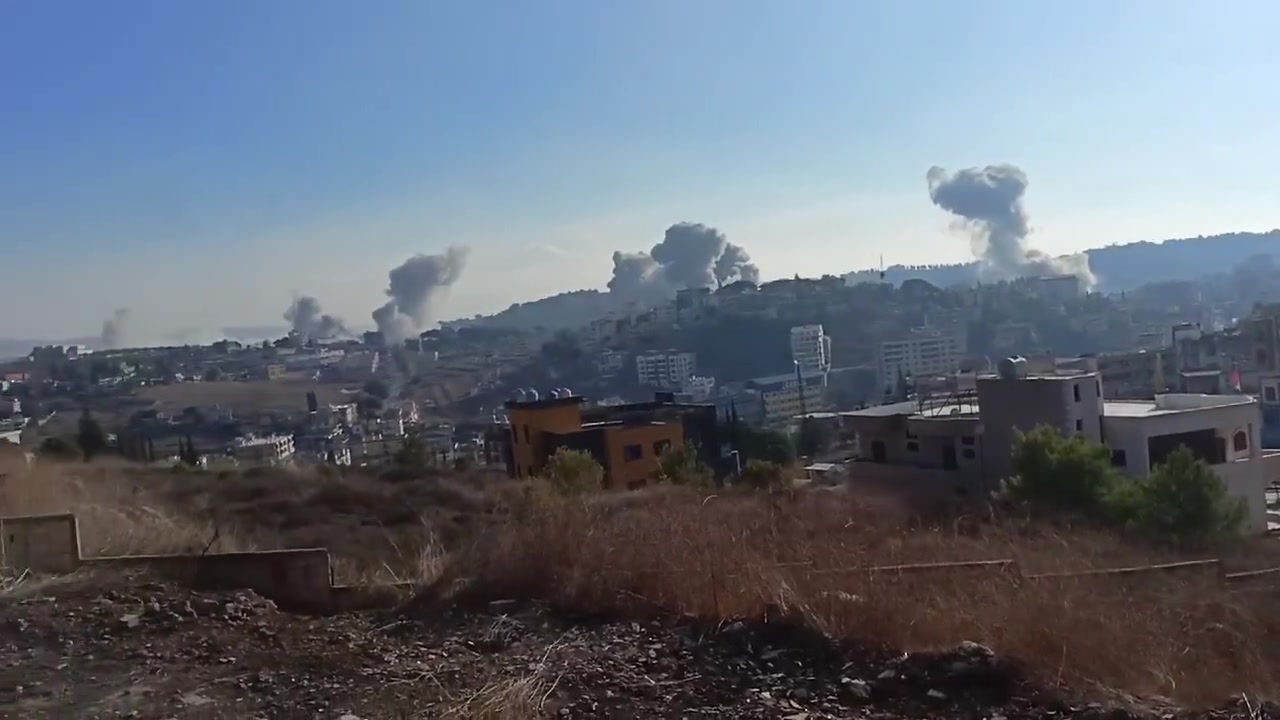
989, 201
688, 254
413, 287
115, 329
636, 277
735, 264
305, 316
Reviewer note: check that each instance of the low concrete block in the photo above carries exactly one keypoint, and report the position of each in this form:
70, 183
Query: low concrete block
294, 579
40, 543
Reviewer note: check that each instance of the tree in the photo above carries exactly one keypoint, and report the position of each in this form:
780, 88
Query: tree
573, 472
681, 466
1058, 474
213, 374
814, 438
1183, 503
761, 444
762, 475
90, 436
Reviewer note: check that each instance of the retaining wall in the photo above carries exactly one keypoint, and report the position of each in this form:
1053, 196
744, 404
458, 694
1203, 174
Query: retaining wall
40, 543
294, 579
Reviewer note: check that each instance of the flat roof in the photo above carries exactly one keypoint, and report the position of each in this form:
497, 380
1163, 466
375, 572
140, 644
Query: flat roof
543, 403
1149, 408
906, 407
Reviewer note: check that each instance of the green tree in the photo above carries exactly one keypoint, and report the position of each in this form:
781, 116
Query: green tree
814, 438
681, 466
90, 436
573, 472
376, 388
762, 475
213, 374
1183, 503
1065, 475
762, 444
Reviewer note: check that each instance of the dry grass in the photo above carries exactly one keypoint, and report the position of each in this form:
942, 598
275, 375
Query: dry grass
508, 698
1172, 636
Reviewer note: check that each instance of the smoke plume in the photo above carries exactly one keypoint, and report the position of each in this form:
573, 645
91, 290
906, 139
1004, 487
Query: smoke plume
690, 255
413, 288
305, 316
115, 329
988, 202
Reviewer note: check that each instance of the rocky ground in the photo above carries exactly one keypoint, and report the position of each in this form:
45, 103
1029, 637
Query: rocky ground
106, 647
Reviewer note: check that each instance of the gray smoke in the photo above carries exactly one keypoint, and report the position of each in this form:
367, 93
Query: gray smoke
305, 316
115, 329
691, 255
989, 203
413, 288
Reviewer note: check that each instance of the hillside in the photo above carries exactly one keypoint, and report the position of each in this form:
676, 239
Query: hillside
1124, 267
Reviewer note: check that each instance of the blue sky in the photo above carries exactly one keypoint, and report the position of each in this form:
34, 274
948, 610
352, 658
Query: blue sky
201, 162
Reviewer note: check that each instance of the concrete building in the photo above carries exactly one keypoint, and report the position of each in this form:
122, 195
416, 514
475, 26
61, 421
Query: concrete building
1222, 430
667, 369
270, 449
782, 397
1269, 402
962, 443
1057, 288
810, 348
627, 440
921, 352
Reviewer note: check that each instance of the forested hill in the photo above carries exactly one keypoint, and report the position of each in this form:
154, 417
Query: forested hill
1124, 267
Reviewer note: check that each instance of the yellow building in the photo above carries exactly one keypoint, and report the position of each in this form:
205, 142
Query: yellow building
628, 448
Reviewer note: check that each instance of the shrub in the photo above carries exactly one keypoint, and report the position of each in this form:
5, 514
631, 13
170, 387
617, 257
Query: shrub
681, 466
573, 472
762, 475
1056, 474
1183, 502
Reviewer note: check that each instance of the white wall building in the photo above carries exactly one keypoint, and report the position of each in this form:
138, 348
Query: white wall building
269, 449
1222, 430
922, 352
669, 369
811, 348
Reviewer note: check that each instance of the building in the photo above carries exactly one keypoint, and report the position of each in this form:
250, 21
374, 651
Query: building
1269, 402
627, 440
1222, 430
783, 397
920, 353
276, 371
810, 348
10, 406
1057, 288
667, 369
270, 449
961, 443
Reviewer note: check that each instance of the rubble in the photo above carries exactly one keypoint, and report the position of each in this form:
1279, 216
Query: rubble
135, 648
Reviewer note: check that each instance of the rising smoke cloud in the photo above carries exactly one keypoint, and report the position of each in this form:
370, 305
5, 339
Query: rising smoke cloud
115, 329
691, 255
988, 202
414, 287
306, 317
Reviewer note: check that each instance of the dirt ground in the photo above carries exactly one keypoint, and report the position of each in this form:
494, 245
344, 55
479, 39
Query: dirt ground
130, 646
257, 395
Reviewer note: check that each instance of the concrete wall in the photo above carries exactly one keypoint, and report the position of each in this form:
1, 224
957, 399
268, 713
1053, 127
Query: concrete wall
1022, 404
40, 543
294, 579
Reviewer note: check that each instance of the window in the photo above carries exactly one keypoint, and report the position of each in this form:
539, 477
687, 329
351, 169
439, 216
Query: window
1075, 390
1099, 383
631, 453
1079, 425
1118, 459
1262, 358
968, 454
661, 446
966, 440
526, 434
515, 435
1240, 441
913, 447
1269, 393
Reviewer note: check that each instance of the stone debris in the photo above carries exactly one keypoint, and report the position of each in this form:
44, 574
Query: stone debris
152, 650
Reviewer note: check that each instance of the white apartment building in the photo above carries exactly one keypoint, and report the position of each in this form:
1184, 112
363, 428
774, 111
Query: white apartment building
1222, 430
810, 348
668, 369
270, 449
920, 353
